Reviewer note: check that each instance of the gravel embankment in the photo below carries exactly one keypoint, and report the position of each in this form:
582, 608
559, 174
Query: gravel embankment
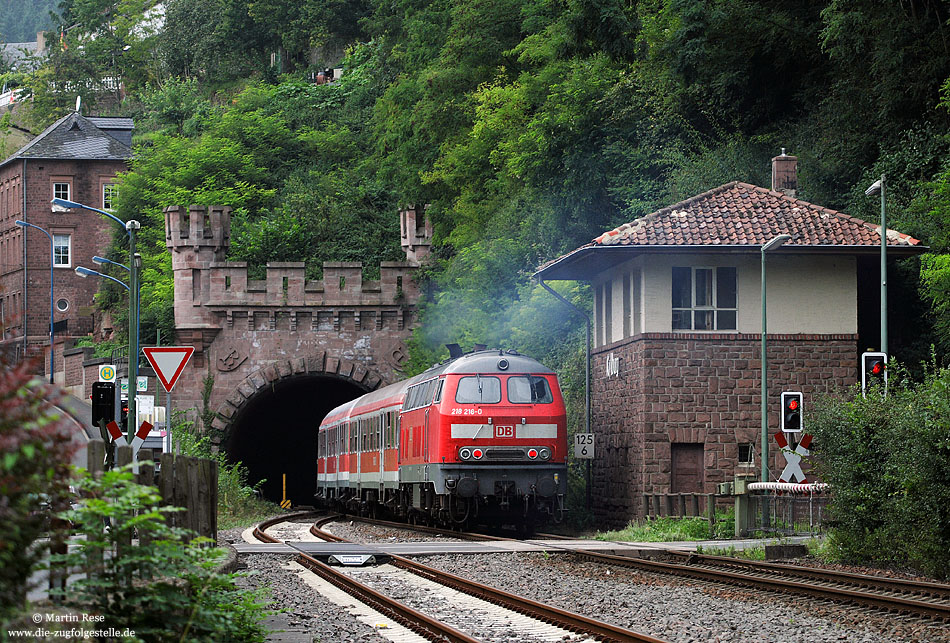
669, 609
303, 608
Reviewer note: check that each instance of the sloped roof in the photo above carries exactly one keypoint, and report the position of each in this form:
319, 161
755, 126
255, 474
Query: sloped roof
736, 217
74, 137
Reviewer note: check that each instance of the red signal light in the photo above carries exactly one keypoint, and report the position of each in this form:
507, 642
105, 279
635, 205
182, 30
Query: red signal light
878, 368
793, 404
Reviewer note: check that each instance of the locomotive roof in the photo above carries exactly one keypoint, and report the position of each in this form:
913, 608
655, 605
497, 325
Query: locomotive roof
488, 362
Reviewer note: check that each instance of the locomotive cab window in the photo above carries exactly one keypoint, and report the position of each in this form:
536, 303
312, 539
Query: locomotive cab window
478, 390
529, 389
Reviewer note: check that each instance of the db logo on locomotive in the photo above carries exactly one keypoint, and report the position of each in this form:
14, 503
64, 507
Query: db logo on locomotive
504, 430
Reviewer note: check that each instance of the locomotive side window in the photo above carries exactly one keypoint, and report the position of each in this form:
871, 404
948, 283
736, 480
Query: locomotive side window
438, 392
478, 390
529, 389
419, 395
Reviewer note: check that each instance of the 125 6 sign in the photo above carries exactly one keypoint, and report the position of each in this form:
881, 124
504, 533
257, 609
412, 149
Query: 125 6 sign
584, 446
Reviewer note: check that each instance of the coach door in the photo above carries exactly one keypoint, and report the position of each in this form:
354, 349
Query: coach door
687, 468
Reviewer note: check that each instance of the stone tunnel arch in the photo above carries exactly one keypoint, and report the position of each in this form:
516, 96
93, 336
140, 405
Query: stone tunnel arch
270, 424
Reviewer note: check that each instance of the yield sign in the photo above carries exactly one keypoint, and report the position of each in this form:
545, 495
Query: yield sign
168, 362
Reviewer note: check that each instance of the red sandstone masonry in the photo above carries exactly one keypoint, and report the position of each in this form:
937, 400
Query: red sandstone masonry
697, 388
251, 333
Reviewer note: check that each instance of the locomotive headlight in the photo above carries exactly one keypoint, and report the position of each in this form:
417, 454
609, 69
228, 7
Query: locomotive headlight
532, 453
545, 453
465, 454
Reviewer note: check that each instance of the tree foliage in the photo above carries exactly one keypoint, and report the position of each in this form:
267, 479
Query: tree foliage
888, 462
35, 447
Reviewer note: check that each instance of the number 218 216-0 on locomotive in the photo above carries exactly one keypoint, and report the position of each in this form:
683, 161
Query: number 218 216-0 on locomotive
478, 439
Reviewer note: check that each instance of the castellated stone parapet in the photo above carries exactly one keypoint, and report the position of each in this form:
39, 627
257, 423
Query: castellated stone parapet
212, 292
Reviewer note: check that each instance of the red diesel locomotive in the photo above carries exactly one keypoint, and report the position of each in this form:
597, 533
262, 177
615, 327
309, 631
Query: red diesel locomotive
478, 438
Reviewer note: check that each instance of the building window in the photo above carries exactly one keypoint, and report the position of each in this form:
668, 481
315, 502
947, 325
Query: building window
61, 243
110, 192
746, 455
61, 190
704, 298
62, 305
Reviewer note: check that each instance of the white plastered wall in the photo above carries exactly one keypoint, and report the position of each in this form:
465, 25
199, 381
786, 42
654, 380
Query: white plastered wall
807, 294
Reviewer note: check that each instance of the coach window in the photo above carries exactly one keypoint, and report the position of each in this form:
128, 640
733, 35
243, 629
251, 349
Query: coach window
478, 390
529, 389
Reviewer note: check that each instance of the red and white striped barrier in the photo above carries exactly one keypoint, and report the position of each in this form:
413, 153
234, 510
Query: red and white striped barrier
117, 436
789, 487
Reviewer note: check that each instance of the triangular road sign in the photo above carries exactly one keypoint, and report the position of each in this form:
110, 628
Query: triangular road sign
168, 362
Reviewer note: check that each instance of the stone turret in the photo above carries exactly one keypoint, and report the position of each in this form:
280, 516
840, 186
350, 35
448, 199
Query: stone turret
415, 233
197, 237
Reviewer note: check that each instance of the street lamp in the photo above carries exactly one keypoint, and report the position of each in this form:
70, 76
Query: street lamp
86, 272
130, 227
775, 242
24, 224
102, 260
878, 186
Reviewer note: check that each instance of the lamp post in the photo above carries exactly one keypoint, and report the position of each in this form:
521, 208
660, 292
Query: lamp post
24, 224
86, 272
130, 227
775, 242
878, 186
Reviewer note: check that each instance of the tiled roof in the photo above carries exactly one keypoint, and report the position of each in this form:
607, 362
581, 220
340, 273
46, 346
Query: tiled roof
739, 214
74, 137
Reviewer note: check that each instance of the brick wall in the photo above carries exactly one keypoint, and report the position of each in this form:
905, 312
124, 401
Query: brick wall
697, 388
90, 235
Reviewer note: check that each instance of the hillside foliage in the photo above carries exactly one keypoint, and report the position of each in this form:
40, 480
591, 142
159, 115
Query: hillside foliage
529, 127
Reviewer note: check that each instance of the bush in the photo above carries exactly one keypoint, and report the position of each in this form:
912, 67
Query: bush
34, 455
888, 461
164, 587
238, 501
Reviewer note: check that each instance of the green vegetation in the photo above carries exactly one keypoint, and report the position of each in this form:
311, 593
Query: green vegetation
166, 587
21, 20
888, 461
238, 502
34, 454
667, 529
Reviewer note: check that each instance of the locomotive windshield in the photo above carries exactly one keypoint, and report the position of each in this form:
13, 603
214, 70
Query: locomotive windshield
478, 390
529, 389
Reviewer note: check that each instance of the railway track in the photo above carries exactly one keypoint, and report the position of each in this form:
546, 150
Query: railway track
922, 599
524, 610
917, 598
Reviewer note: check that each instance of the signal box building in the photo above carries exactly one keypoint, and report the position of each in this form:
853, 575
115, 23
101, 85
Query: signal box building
76, 158
676, 355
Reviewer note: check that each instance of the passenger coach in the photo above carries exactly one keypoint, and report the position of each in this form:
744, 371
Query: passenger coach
481, 437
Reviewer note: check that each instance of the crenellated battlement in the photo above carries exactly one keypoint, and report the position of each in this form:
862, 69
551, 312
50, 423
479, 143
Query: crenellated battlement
199, 228
210, 291
415, 233
286, 285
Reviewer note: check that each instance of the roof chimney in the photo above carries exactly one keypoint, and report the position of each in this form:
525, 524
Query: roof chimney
785, 174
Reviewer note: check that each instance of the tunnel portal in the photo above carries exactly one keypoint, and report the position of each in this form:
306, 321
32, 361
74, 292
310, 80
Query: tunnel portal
276, 433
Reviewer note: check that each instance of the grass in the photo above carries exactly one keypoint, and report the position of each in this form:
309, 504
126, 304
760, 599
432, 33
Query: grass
662, 530
238, 504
